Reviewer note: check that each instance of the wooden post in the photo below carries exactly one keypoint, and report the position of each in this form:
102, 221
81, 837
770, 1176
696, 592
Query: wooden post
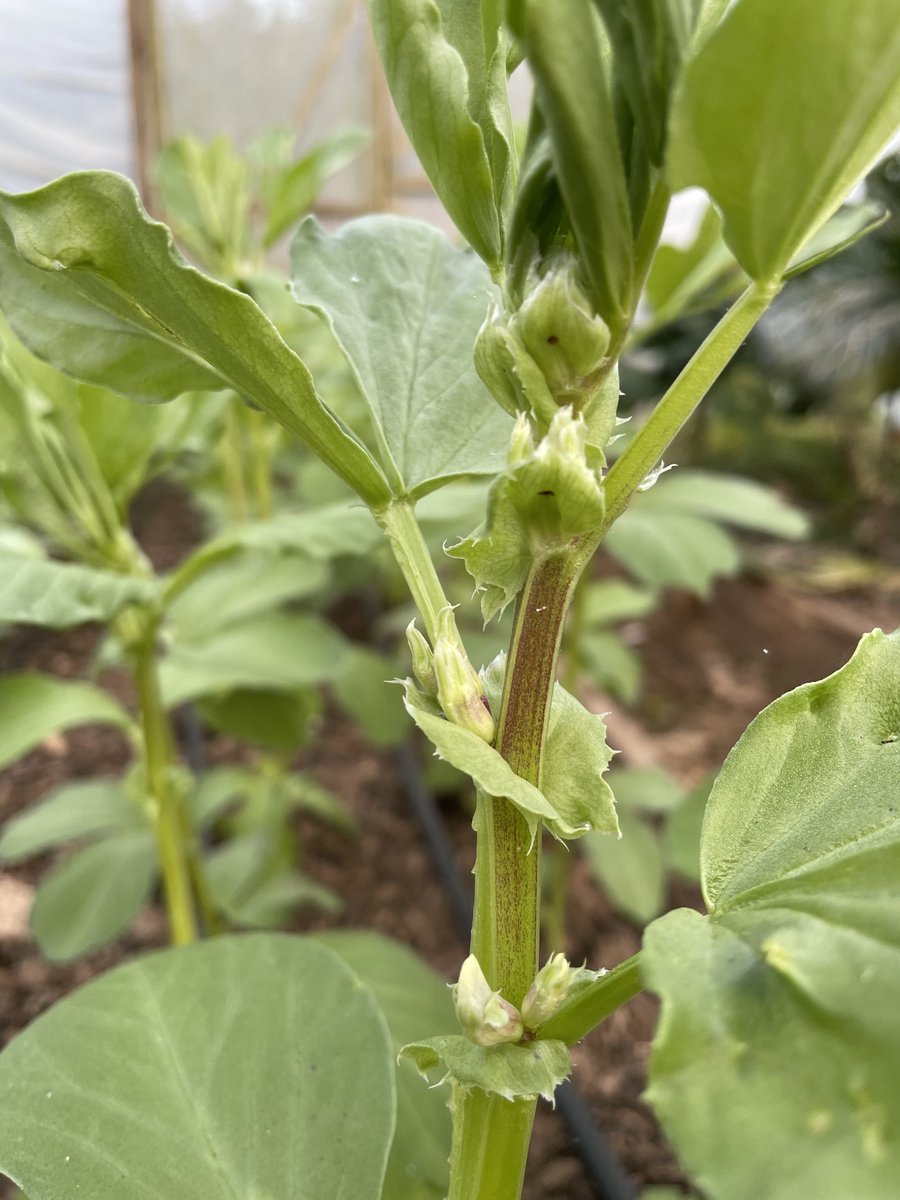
147, 104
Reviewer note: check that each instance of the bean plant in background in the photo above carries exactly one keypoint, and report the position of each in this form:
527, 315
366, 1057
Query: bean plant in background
261, 1065
75, 456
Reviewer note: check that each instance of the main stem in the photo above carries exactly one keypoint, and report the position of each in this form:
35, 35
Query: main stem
491, 1135
159, 758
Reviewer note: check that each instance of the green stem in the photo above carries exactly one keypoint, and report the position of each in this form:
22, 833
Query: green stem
488, 1130
413, 557
159, 759
490, 1145
673, 410
595, 1003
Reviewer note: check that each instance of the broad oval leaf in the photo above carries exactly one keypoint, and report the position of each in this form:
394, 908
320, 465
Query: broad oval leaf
91, 284
783, 1001
240, 587
672, 549
321, 534
406, 307
726, 498
255, 1066
59, 595
416, 1003
783, 110
75, 810
278, 651
93, 896
32, 705
609, 601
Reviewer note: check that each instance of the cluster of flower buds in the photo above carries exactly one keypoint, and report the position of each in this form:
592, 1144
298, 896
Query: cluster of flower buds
446, 674
487, 1019
550, 351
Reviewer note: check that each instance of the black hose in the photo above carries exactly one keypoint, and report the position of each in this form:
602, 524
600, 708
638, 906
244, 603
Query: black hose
602, 1167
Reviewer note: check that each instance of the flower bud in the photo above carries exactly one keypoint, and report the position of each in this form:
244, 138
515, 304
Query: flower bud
422, 659
460, 691
508, 371
486, 1018
549, 990
560, 331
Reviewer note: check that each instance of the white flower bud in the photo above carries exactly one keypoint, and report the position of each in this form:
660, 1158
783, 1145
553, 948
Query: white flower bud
550, 988
460, 691
486, 1018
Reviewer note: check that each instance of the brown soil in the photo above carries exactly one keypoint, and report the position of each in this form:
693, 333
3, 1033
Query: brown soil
709, 670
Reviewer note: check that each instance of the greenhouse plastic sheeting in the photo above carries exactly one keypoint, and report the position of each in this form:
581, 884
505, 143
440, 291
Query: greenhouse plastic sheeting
65, 101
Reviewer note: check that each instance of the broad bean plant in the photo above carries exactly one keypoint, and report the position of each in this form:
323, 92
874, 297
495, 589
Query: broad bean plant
263, 1066
75, 455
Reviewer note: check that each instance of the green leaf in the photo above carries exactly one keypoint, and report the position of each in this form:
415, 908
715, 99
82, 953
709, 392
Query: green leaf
672, 549
509, 1070
631, 870
415, 1002
406, 307
567, 51
575, 759
727, 498
205, 193
20, 542
251, 892
848, 225
573, 796
93, 286
610, 601
646, 789
75, 810
794, 974
693, 278
217, 790
445, 62
35, 705
240, 588
294, 189
783, 110
681, 836
821, 759
94, 895
276, 899
276, 720
271, 651
470, 754
650, 41
59, 595
612, 664
309, 796
364, 690
237, 1067
667, 537
318, 534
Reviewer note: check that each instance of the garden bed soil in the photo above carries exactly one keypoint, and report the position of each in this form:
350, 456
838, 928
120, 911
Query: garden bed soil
709, 669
